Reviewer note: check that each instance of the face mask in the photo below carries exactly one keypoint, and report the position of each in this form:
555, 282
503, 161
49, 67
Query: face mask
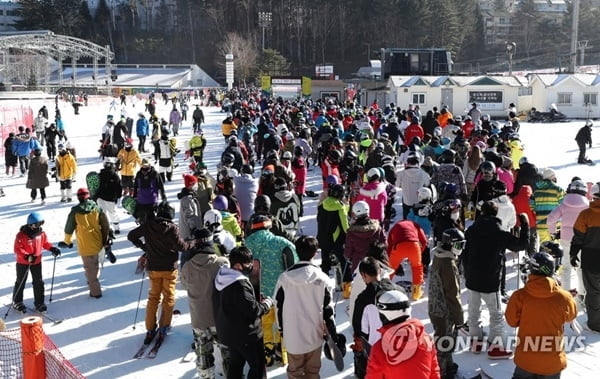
63, 153
247, 269
128, 148
37, 153
454, 216
145, 169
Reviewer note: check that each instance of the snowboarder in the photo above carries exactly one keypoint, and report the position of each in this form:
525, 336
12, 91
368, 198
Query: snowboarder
109, 192
29, 243
584, 137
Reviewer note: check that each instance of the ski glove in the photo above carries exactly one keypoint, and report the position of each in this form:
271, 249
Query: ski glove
523, 219
357, 346
141, 264
267, 301
65, 245
574, 260
556, 235
55, 251
109, 254
30, 258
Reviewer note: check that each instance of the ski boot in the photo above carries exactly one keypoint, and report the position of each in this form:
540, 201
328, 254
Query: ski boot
20, 307
42, 308
150, 334
417, 291
269, 355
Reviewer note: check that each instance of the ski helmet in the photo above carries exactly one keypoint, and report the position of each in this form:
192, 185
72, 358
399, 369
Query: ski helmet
350, 155
221, 203
227, 159
392, 305
165, 210
542, 263
298, 151
450, 191
423, 194
262, 203
287, 156
498, 188
334, 155
554, 249
485, 117
454, 240
213, 220
451, 205
373, 174
336, 191
596, 190
488, 169
360, 209
578, 187
35, 218
261, 222
508, 124
280, 184
447, 156
495, 125
332, 180
589, 123
109, 164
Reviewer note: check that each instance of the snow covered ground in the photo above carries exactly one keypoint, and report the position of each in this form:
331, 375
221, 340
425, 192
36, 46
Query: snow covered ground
100, 337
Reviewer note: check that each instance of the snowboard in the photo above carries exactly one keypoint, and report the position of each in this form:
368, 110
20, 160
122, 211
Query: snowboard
92, 180
335, 353
255, 279
128, 203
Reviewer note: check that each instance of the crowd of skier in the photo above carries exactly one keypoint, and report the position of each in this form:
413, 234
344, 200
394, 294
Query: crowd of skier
466, 196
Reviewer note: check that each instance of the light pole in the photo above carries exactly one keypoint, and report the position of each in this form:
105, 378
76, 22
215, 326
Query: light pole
264, 21
510, 50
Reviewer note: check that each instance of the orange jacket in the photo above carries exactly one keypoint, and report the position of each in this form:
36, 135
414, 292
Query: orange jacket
540, 310
443, 118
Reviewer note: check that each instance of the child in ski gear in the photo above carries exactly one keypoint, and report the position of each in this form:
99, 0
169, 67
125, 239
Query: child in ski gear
198, 277
29, 243
303, 299
276, 255
161, 245
90, 224
444, 306
229, 221
386, 359
540, 310
66, 168
363, 231
238, 315
128, 159
407, 240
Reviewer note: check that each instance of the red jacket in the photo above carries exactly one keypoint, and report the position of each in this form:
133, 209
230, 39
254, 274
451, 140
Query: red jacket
523, 204
406, 231
416, 360
28, 244
412, 131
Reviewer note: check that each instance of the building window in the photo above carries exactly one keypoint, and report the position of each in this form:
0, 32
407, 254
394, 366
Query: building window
418, 98
590, 99
564, 98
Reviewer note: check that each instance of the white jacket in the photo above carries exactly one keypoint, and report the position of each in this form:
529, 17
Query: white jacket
303, 297
410, 180
506, 212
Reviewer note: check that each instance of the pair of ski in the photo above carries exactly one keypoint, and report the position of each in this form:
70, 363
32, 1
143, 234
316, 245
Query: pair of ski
44, 315
153, 351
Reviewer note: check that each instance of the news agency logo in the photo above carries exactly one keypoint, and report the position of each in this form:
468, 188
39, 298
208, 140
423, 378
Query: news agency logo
540, 344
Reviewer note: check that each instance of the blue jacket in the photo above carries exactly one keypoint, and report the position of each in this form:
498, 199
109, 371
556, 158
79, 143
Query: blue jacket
24, 144
142, 128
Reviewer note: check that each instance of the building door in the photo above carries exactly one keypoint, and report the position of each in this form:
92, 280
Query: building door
447, 98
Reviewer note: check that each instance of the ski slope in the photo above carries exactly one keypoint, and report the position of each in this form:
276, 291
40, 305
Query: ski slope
100, 337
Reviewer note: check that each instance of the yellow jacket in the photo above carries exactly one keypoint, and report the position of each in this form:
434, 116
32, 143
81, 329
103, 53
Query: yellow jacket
91, 225
228, 127
66, 166
129, 161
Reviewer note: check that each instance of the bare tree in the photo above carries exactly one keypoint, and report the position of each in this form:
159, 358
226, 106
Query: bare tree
245, 56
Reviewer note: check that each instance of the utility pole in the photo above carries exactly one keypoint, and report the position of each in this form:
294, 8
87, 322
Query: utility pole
574, 26
582, 46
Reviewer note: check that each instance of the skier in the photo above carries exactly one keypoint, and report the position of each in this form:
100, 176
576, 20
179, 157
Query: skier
39, 125
161, 242
10, 157
238, 315
223, 239
190, 214
92, 228
164, 154
362, 232
262, 205
198, 277
286, 206
584, 137
198, 117
66, 168
540, 299
374, 193
276, 254
444, 305
37, 176
585, 235
128, 160
175, 120
406, 239
391, 359
148, 185
547, 196
303, 300
142, 129
29, 243
411, 179
482, 260
197, 145
229, 220
108, 194
567, 211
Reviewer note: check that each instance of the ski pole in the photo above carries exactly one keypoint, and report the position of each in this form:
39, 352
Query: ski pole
52, 282
18, 289
139, 299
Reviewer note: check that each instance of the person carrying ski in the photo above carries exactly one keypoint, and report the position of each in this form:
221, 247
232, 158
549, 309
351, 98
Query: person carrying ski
29, 243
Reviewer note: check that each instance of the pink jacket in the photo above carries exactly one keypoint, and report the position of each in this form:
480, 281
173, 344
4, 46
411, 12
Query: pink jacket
375, 195
567, 212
